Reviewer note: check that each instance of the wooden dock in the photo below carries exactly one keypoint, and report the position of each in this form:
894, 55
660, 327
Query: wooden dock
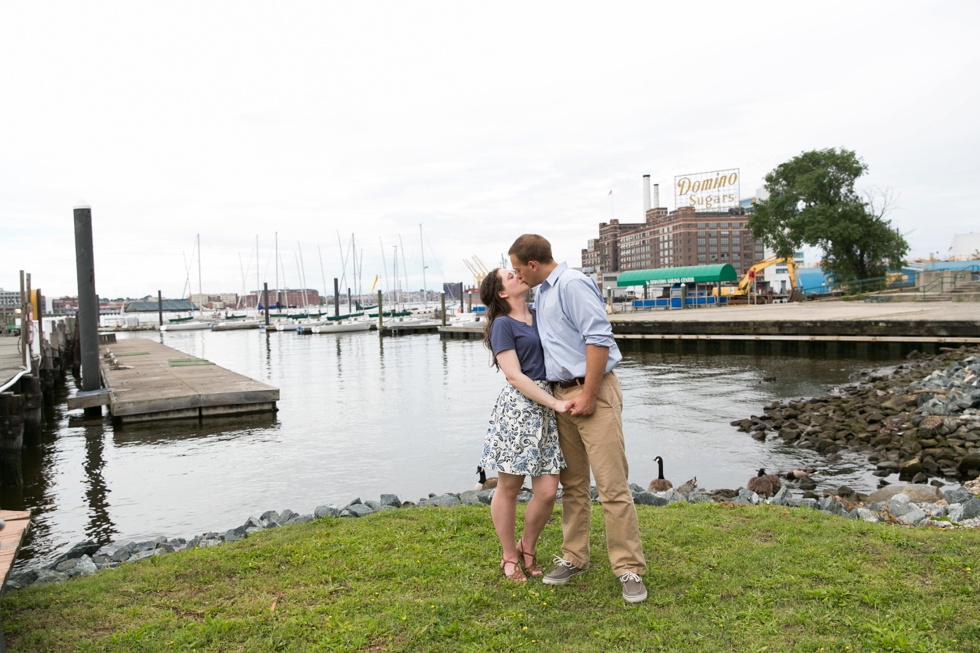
465, 332
16, 525
11, 360
149, 381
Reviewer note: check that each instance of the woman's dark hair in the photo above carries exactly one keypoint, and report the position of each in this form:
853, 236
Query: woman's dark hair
496, 305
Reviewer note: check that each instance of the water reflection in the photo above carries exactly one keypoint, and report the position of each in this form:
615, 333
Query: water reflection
360, 416
100, 526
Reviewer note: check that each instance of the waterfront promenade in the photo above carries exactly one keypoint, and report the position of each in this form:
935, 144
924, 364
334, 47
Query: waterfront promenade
807, 328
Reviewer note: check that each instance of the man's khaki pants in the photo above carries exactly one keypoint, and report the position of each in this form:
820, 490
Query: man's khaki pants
597, 441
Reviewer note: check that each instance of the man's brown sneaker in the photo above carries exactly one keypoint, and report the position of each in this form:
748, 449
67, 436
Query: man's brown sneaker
564, 571
634, 590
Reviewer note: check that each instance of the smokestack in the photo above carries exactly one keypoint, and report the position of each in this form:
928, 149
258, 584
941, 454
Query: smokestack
656, 196
646, 194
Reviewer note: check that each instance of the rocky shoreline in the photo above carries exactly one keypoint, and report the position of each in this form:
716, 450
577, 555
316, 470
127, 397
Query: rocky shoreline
911, 505
919, 419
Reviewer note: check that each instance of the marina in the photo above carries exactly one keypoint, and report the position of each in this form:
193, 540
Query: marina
358, 415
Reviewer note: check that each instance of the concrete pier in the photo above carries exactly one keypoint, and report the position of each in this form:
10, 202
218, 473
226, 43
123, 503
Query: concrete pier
149, 381
811, 328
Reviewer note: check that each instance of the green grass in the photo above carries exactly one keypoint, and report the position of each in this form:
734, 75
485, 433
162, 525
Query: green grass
721, 578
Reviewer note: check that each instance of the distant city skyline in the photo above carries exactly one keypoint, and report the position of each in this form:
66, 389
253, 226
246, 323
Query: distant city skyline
478, 122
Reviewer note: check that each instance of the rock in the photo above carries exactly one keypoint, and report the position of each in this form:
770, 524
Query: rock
22, 579
808, 503
302, 519
969, 464
123, 553
672, 496
359, 510
967, 510
645, 498
252, 523
269, 516
444, 501
285, 516
915, 515
781, 497
927, 493
322, 512
232, 536
958, 495
373, 505
469, 498
698, 497
634, 488
868, 515
47, 576
909, 468
808, 484
83, 548
844, 491
77, 567
485, 496
391, 500
920, 479
524, 497
747, 497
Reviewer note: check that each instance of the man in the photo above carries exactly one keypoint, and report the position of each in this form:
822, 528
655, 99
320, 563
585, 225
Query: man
580, 354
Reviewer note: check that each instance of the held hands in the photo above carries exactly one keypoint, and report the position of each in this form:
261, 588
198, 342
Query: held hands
581, 406
561, 406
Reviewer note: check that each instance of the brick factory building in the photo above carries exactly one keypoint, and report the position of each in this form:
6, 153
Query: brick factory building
684, 237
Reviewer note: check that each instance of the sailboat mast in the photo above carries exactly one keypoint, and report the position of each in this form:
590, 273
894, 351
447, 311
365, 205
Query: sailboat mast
277, 270
425, 293
397, 283
384, 262
323, 278
200, 285
258, 284
404, 266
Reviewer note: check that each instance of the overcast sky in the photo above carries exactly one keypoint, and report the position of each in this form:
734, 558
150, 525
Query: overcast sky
479, 121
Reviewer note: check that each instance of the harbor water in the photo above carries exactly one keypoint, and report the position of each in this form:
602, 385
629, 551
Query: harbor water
359, 416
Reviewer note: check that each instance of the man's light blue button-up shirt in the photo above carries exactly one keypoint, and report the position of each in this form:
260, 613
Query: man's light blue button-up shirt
571, 315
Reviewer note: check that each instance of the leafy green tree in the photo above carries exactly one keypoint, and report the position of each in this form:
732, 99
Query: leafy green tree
812, 201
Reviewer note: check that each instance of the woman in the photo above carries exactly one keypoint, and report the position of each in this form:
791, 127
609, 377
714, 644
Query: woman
522, 439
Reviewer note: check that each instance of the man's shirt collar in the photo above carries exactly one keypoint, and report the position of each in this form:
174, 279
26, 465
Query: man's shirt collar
553, 277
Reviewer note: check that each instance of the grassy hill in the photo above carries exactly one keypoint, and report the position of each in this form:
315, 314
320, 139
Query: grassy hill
721, 578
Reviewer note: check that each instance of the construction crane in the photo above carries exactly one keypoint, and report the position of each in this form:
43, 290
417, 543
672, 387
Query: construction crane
477, 269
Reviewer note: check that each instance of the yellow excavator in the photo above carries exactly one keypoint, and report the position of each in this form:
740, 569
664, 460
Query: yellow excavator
741, 291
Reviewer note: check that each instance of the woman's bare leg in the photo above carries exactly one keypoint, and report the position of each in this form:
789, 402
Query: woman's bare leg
503, 510
539, 509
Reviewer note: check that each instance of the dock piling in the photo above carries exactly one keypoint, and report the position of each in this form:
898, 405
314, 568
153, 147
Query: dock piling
160, 306
265, 301
11, 439
88, 303
381, 322
442, 304
336, 297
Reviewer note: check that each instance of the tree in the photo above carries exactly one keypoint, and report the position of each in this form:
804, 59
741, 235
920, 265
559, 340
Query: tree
812, 201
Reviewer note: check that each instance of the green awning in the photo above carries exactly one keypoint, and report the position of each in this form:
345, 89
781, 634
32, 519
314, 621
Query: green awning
690, 274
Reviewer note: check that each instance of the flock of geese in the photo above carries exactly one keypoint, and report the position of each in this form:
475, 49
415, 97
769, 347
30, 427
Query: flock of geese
765, 485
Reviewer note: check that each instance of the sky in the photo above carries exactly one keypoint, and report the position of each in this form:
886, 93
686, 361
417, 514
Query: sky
478, 121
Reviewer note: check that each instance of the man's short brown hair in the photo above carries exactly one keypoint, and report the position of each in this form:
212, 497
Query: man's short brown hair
531, 247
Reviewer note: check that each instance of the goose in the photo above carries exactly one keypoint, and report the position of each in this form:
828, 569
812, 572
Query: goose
484, 483
761, 484
798, 474
659, 484
689, 487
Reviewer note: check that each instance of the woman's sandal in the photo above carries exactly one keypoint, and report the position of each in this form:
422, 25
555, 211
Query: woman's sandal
532, 569
517, 575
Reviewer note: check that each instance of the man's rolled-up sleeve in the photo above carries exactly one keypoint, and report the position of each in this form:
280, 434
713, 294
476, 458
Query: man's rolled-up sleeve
586, 310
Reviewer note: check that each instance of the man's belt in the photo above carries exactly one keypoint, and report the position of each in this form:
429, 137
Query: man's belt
565, 385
